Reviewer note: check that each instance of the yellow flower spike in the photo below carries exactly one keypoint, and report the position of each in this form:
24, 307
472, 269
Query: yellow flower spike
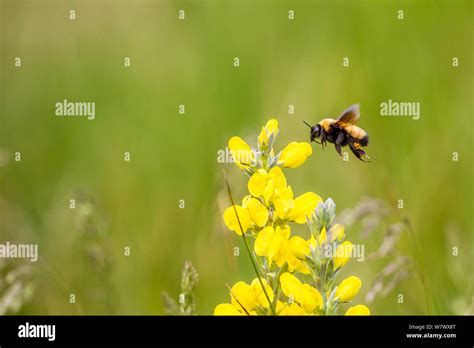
358, 310
348, 289
271, 128
263, 241
227, 309
260, 294
230, 219
343, 253
243, 294
270, 197
295, 154
241, 152
303, 207
257, 211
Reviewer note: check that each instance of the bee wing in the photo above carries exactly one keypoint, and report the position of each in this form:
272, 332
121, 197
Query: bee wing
350, 115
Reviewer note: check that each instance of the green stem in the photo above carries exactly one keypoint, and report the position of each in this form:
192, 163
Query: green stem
247, 246
322, 286
260, 267
277, 281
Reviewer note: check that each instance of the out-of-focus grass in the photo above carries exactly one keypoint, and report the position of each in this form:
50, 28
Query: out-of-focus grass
174, 156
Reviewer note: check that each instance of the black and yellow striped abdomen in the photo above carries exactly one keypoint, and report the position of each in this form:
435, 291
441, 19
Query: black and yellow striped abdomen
358, 134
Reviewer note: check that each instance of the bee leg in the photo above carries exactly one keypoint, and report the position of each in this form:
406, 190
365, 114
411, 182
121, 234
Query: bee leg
356, 151
358, 148
338, 142
363, 153
323, 140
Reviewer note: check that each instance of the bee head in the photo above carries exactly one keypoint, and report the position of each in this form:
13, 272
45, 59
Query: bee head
315, 132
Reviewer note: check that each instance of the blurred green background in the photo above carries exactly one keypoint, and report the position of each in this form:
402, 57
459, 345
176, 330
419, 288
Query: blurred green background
136, 204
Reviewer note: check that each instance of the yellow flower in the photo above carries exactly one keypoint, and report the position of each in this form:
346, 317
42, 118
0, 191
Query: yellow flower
272, 243
290, 285
250, 296
263, 184
276, 245
227, 309
295, 154
299, 247
343, 253
242, 296
303, 206
283, 201
257, 211
312, 242
322, 236
289, 309
271, 128
358, 310
297, 210
305, 295
348, 289
241, 152
260, 296
298, 250
264, 240
230, 219
311, 299
336, 232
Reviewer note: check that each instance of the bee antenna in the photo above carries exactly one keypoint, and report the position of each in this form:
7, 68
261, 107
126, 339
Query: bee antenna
308, 124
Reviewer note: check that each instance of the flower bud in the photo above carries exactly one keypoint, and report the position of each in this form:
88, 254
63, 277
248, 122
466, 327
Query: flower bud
348, 289
358, 310
343, 253
242, 153
295, 154
268, 134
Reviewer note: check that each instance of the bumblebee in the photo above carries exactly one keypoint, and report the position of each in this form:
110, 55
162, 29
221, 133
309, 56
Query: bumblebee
342, 132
